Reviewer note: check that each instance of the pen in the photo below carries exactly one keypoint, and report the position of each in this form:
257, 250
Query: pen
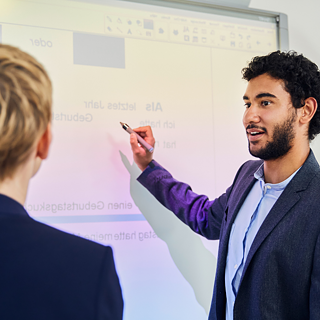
140, 139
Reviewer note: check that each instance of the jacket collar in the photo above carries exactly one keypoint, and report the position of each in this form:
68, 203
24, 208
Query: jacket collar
10, 206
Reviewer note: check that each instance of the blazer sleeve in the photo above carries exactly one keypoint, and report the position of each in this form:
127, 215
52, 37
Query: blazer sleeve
315, 284
197, 211
109, 295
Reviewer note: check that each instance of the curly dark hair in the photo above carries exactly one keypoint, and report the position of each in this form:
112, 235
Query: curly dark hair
301, 78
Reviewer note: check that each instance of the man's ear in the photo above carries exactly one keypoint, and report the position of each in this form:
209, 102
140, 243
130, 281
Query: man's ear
308, 110
44, 143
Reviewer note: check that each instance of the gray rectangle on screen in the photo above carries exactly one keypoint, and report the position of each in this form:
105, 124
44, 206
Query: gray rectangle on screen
97, 50
148, 24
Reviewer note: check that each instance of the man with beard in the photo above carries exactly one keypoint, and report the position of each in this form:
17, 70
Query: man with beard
268, 220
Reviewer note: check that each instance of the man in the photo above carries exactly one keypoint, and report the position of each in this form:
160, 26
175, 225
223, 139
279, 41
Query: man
268, 221
44, 273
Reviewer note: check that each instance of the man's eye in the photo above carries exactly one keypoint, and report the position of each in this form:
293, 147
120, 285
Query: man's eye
265, 103
247, 105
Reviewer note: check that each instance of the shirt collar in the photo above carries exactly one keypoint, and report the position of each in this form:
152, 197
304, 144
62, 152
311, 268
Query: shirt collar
259, 175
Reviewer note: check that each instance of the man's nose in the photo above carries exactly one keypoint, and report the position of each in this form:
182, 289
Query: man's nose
251, 115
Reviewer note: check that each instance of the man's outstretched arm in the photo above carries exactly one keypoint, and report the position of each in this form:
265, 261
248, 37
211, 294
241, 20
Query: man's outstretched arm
200, 214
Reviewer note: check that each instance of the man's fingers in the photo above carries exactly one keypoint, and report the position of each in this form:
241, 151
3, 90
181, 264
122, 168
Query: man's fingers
133, 141
134, 144
140, 156
146, 134
144, 131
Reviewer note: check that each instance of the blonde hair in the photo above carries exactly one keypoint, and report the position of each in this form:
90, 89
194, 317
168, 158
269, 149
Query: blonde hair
25, 106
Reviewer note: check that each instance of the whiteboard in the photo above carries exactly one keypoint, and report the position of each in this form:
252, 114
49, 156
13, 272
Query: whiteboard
174, 66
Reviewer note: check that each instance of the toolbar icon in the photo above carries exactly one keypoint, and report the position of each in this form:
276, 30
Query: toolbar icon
148, 24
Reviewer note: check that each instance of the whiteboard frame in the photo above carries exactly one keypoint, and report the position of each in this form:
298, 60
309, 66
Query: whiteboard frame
225, 8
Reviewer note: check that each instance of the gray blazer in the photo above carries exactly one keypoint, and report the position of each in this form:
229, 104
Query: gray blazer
281, 276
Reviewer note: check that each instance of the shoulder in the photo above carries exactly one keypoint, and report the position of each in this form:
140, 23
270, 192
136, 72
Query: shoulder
308, 176
54, 236
46, 243
19, 231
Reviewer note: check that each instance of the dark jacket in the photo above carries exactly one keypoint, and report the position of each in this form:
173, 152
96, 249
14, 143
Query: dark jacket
47, 274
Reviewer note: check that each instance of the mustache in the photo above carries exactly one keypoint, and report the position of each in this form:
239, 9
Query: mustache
253, 126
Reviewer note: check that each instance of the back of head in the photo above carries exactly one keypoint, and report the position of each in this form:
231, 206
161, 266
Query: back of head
25, 107
301, 79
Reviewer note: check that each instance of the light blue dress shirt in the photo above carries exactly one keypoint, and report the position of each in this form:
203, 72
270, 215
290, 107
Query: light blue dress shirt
251, 215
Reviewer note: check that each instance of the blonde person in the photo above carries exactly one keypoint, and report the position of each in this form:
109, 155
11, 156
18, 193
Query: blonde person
44, 273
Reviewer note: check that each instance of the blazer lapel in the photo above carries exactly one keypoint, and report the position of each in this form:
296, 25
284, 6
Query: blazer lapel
286, 201
241, 188
233, 207
238, 196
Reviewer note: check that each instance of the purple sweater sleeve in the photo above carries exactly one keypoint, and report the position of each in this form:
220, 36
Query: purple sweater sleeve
197, 211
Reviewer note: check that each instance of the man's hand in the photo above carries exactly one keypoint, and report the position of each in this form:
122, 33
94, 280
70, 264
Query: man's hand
141, 156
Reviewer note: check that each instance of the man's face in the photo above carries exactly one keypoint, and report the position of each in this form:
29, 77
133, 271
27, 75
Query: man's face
269, 118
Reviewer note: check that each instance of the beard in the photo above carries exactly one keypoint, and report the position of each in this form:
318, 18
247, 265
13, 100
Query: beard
281, 142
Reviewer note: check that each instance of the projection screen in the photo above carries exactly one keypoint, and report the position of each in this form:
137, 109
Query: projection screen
175, 66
